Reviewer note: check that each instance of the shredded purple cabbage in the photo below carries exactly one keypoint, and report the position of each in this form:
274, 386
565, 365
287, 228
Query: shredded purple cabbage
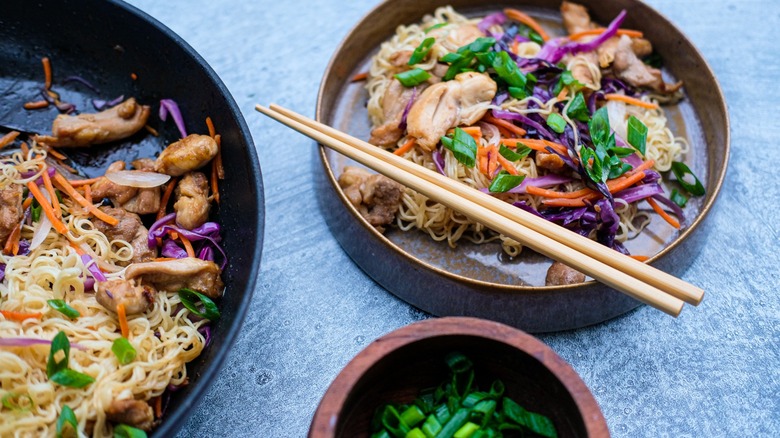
508, 115
172, 250
524, 206
151, 241
634, 194
208, 231
557, 48
170, 106
497, 18
81, 81
92, 267
402, 125
438, 159
2, 271
27, 342
206, 332
206, 253
609, 223
672, 206
100, 104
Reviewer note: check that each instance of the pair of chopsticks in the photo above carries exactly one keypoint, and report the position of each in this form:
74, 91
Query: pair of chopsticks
634, 278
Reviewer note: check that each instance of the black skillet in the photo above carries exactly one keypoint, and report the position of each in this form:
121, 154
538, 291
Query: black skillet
107, 43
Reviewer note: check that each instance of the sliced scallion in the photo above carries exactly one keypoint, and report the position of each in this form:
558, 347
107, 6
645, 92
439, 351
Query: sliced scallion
422, 51
637, 134
413, 77
190, 299
504, 182
678, 198
18, 402
556, 122
516, 155
63, 307
124, 351
684, 176
463, 146
125, 431
66, 417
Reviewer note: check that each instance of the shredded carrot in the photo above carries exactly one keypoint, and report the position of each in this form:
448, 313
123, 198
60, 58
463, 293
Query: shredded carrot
642, 167
562, 95
26, 204
218, 158
521, 17
166, 197
88, 193
66, 167
505, 133
20, 316
515, 46
65, 186
46, 72
164, 259
672, 221
545, 193
474, 131
120, 313
152, 130
133, 76
631, 100
640, 258
158, 407
25, 150
12, 244
210, 126
506, 164
614, 186
509, 126
8, 138
600, 30
359, 77
38, 104
83, 182
492, 164
405, 147
214, 181
47, 209
55, 202
56, 154
482, 159
537, 145
174, 235
187, 246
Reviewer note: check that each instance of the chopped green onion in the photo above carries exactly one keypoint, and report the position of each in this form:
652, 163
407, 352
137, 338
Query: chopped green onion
422, 51
381, 434
393, 423
412, 415
678, 198
415, 433
71, 378
682, 172
63, 307
59, 344
189, 299
431, 427
504, 182
538, 424
67, 416
507, 69
578, 109
411, 78
556, 122
436, 26
458, 419
458, 62
637, 134
463, 146
466, 431
513, 156
125, 431
18, 402
123, 350
481, 44
443, 414
592, 164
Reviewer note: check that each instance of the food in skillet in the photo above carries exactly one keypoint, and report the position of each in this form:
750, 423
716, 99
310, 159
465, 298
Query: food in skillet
108, 285
568, 128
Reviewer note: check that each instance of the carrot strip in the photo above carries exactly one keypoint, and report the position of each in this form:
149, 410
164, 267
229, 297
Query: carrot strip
640, 258
642, 167
25, 150
482, 159
405, 147
218, 158
120, 313
562, 95
88, 193
506, 164
614, 186
210, 126
515, 46
56, 154
166, 197
359, 77
133, 76
158, 407
65, 186
55, 203
631, 100
492, 160
672, 221
46, 72
12, 244
26, 204
187, 246
47, 209
545, 193
600, 30
38, 104
20, 316
509, 126
537, 145
83, 182
8, 138
214, 181
521, 17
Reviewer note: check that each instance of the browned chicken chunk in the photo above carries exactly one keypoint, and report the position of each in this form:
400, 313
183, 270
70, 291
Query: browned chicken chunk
132, 199
135, 413
135, 298
462, 101
148, 199
630, 68
551, 162
190, 153
11, 212
192, 273
575, 18
129, 229
192, 200
376, 197
561, 275
113, 124
105, 188
394, 102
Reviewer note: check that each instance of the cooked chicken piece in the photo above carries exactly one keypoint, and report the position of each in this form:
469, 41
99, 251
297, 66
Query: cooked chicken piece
630, 68
190, 153
113, 124
192, 200
606, 51
551, 162
129, 229
135, 413
454, 36
575, 18
147, 200
400, 59
11, 212
136, 299
561, 275
394, 103
376, 197
192, 273
462, 101
105, 188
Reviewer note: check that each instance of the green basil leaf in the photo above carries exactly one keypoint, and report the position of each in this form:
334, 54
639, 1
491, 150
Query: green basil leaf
508, 71
422, 51
578, 109
63, 307
556, 122
436, 26
678, 198
503, 182
681, 171
123, 350
125, 431
71, 378
594, 169
599, 127
59, 343
462, 146
513, 156
412, 77
619, 169
17, 402
637, 134
190, 298
67, 416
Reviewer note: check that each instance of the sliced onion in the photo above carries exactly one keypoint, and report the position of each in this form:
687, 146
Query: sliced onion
138, 178
44, 226
616, 111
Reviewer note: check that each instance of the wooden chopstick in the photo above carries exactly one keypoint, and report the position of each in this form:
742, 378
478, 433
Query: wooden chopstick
477, 206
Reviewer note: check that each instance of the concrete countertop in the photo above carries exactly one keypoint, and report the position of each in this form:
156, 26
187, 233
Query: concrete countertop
714, 371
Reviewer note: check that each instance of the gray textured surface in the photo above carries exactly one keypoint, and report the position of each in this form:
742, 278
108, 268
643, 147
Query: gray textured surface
714, 371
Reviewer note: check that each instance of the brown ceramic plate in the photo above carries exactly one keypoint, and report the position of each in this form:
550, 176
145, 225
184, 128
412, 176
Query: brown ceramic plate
478, 280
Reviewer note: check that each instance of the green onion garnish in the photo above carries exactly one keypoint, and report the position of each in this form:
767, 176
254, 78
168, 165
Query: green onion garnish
508, 70
18, 402
436, 26
513, 156
422, 51
684, 175
411, 78
125, 431
123, 350
637, 134
57, 369
556, 122
35, 211
190, 298
71, 378
67, 416
504, 182
463, 146
678, 198
63, 307
578, 109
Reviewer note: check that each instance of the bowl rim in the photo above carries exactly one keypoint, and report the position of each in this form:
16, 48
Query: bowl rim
326, 417
513, 288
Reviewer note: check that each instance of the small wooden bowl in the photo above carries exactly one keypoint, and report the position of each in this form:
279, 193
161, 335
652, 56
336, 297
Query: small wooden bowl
398, 365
